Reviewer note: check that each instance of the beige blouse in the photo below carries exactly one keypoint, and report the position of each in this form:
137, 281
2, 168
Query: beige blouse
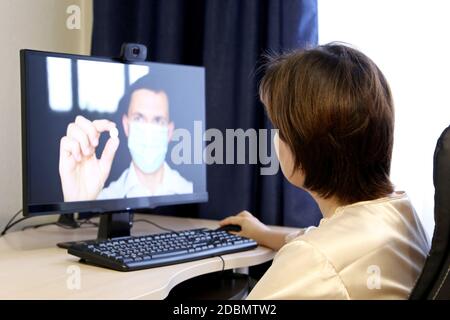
366, 250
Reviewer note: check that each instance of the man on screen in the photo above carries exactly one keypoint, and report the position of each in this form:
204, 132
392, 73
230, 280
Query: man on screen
147, 126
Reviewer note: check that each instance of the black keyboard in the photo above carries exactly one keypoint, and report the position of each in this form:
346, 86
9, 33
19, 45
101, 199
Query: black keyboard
142, 252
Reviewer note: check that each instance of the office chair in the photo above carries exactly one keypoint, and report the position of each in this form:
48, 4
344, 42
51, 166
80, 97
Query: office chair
434, 281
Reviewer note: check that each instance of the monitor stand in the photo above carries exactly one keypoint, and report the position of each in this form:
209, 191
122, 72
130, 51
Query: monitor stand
68, 220
112, 225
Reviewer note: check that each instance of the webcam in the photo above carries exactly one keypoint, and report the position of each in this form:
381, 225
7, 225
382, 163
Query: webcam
133, 52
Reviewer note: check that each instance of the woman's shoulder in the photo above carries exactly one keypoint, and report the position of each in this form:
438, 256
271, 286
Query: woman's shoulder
380, 239
361, 229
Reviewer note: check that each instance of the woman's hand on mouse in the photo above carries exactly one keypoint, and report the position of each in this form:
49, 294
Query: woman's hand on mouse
251, 227
254, 229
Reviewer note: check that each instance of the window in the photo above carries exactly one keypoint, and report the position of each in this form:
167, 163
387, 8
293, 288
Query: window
59, 79
100, 85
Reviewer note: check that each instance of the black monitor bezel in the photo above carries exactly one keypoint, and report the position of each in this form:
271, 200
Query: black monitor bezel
96, 206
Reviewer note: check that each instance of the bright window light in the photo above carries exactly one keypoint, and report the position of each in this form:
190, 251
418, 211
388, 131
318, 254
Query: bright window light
407, 39
137, 71
59, 71
100, 85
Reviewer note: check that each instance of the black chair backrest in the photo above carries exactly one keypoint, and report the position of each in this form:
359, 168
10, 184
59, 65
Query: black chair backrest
434, 281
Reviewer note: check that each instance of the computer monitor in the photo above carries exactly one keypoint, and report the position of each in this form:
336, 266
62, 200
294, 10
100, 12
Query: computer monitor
107, 137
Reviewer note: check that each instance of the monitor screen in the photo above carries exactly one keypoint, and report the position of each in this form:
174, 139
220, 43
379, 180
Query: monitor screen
104, 136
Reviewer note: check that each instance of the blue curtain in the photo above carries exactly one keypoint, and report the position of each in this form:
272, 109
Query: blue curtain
228, 37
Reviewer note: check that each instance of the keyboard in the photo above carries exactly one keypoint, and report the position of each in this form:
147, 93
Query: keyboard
150, 251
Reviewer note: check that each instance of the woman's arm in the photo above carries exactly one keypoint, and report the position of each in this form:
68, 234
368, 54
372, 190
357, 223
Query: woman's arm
254, 229
274, 239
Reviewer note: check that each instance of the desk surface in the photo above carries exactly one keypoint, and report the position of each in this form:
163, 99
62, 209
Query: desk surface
32, 267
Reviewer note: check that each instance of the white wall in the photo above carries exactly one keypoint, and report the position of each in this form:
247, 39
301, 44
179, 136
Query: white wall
408, 40
29, 24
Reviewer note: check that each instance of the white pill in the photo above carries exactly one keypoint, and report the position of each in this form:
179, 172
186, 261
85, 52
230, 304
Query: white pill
114, 133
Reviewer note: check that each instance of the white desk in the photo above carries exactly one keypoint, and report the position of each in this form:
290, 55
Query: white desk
32, 267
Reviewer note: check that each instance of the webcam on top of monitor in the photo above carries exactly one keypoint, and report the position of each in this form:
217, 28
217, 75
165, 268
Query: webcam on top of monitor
133, 52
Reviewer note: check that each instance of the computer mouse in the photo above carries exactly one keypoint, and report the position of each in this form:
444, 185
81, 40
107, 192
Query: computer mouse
230, 227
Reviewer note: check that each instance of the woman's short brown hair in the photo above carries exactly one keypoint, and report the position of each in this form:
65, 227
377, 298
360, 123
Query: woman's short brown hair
333, 108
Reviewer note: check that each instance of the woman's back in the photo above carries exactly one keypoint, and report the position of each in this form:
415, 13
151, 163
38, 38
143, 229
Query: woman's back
368, 250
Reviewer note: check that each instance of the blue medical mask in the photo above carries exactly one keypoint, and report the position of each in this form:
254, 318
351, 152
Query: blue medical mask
148, 145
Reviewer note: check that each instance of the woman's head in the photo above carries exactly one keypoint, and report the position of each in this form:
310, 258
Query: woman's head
335, 115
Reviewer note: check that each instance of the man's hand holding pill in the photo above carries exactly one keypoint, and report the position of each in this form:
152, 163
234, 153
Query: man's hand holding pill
83, 176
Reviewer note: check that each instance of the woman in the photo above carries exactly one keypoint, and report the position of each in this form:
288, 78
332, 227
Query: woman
334, 112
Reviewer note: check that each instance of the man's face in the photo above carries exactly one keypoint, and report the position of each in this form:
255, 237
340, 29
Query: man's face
150, 107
